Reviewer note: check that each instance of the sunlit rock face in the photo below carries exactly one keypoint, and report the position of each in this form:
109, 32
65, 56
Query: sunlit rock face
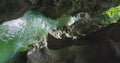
12, 9
79, 25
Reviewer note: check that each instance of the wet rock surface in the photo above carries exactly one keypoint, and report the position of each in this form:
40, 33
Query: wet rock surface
12, 9
93, 44
96, 47
79, 43
63, 7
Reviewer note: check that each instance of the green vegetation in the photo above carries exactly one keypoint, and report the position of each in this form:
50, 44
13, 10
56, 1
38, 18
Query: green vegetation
111, 15
15, 37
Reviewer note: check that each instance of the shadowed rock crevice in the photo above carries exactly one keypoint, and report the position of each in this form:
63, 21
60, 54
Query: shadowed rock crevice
79, 43
96, 47
12, 9
63, 7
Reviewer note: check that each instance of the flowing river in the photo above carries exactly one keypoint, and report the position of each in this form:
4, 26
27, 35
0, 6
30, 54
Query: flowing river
16, 35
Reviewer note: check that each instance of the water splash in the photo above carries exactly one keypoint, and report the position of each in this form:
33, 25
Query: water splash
17, 34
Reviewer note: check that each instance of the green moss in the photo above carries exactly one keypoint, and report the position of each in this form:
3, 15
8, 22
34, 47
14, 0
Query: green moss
111, 16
